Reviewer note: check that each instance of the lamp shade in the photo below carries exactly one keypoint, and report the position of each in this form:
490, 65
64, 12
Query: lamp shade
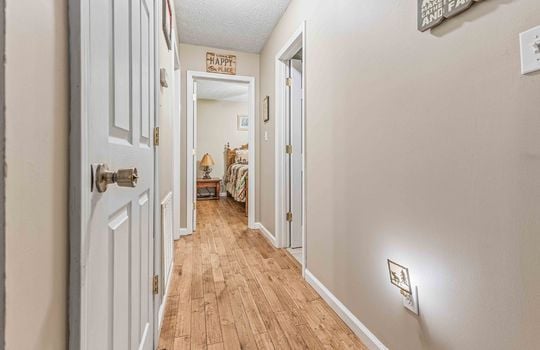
207, 160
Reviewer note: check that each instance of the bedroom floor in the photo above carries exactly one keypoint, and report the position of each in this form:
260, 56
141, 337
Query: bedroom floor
232, 290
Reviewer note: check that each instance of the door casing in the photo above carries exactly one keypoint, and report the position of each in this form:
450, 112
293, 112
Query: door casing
193, 76
2, 178
295, 43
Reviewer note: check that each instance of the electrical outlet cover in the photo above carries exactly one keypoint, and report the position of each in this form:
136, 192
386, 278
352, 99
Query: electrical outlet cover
411, 302
530, 50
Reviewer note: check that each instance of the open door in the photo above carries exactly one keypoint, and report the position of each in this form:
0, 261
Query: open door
116, 311
295, 155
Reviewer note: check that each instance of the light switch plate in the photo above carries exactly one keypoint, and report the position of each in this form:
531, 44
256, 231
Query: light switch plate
530, 50
411, 302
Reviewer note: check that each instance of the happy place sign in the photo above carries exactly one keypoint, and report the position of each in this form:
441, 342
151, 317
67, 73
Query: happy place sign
431, 13
218, 63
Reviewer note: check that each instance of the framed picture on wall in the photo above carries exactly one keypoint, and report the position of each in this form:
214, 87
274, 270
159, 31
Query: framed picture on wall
266, 109
242, 122
167, 22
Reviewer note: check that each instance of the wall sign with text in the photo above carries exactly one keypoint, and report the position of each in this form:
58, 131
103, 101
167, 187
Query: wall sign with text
431, 13
217, 63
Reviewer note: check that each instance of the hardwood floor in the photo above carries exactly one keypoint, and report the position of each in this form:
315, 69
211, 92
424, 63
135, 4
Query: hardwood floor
232, 290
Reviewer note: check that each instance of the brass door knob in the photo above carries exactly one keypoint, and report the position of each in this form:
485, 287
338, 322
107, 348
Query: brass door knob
122, 177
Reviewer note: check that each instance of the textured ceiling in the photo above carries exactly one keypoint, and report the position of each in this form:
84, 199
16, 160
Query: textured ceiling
242, 25
222, 91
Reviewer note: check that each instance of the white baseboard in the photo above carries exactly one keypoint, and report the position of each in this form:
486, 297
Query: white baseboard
182, 232
267, 234
161, 312
365, 335
223, 194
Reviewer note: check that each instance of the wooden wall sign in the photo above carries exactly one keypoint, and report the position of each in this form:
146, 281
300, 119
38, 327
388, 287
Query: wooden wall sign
431, 13
224, 64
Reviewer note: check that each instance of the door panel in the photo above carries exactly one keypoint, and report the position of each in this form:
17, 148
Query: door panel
121, 119
119, 234
117, 311
146, 54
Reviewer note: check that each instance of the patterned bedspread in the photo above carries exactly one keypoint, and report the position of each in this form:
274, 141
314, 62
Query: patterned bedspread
236, 181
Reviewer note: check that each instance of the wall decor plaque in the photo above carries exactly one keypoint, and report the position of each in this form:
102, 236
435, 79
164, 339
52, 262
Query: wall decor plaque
223, 64
431, 13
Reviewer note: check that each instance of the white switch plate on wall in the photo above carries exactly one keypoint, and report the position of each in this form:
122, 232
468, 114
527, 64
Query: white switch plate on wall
411, 302
530, 50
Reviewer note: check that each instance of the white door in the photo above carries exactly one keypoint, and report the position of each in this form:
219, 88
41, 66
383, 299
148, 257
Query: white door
194, 155
117, 311
295, 159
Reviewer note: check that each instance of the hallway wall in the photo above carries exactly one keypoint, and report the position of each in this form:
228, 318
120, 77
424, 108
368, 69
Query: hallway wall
37, 102
193, 58
166, 101
444, 133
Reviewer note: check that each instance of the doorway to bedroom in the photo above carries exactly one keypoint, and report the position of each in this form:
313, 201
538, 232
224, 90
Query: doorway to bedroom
221, 147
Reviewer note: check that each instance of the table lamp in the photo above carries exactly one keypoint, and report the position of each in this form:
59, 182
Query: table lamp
207, 163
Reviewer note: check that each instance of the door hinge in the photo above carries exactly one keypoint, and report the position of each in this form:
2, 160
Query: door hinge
155, 284
288, 149
156, 136
289, 216
288, 82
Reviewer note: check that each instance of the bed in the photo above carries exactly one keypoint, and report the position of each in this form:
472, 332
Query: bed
236, 174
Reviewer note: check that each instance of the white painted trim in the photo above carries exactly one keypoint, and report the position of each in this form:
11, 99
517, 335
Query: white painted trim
177, 128
366, 336
266, 234
296, 42
158, 244
161, 312
252, 113
2, 180
183, 232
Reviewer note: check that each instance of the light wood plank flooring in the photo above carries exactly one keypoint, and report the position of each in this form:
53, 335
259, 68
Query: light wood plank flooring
232, 290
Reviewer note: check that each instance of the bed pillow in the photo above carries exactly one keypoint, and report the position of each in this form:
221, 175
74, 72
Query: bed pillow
242, 156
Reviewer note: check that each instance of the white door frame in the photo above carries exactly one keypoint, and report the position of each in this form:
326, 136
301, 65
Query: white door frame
194, 76
177, 96
2, 179
79, 171
296, 42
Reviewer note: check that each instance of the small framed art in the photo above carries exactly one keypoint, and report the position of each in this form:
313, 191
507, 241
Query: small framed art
266, 109
242, 122
167, 23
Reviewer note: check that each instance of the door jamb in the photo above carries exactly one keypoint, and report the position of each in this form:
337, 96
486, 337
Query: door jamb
191, 77
2, 177
296, 42
177, 150
78, 47
158, 244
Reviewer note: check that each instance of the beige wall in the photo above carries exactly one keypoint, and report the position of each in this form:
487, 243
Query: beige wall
193, 58
37, 169
166, 111
443, 131
217, 126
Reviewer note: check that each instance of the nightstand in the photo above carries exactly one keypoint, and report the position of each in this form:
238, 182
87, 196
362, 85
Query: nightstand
204, 187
